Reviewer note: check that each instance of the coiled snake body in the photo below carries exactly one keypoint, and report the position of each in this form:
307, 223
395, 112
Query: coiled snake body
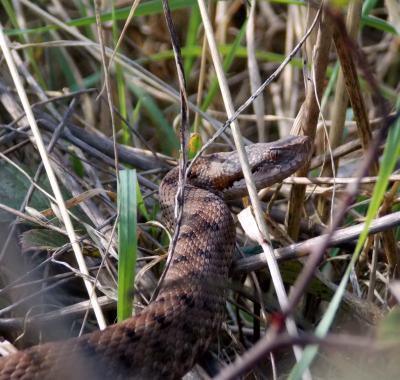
165, 339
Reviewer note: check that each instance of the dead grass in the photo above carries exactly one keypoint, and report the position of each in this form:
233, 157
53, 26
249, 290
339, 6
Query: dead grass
89, 103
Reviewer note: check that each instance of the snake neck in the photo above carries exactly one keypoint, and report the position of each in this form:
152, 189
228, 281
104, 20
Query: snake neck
204, 247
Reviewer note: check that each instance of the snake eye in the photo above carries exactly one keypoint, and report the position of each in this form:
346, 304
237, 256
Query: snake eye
273, 155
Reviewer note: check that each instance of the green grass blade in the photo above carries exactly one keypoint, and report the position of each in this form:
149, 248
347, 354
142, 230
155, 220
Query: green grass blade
120, 80
168, 136
127, 241
379, 24
140, 203
226, 65
144, 9
10, 12
155, 7
195, 51
191, 38
331, 85
368, 6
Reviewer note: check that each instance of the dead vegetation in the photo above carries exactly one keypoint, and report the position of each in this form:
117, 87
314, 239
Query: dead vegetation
333, 226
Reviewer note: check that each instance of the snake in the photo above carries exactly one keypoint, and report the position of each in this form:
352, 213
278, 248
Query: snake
167, 337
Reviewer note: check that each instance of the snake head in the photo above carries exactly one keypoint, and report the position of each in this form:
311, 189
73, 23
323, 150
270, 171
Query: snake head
269, 162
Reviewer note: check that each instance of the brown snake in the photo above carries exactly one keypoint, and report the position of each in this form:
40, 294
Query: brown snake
165, 339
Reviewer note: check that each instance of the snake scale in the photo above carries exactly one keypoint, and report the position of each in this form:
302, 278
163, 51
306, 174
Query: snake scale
166, 338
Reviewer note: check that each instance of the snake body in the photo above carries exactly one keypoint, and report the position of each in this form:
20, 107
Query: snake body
166, 338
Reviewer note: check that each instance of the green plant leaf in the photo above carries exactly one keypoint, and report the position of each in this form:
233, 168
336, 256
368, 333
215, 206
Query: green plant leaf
127, 242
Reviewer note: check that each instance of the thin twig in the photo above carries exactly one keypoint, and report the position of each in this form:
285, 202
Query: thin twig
305, 248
